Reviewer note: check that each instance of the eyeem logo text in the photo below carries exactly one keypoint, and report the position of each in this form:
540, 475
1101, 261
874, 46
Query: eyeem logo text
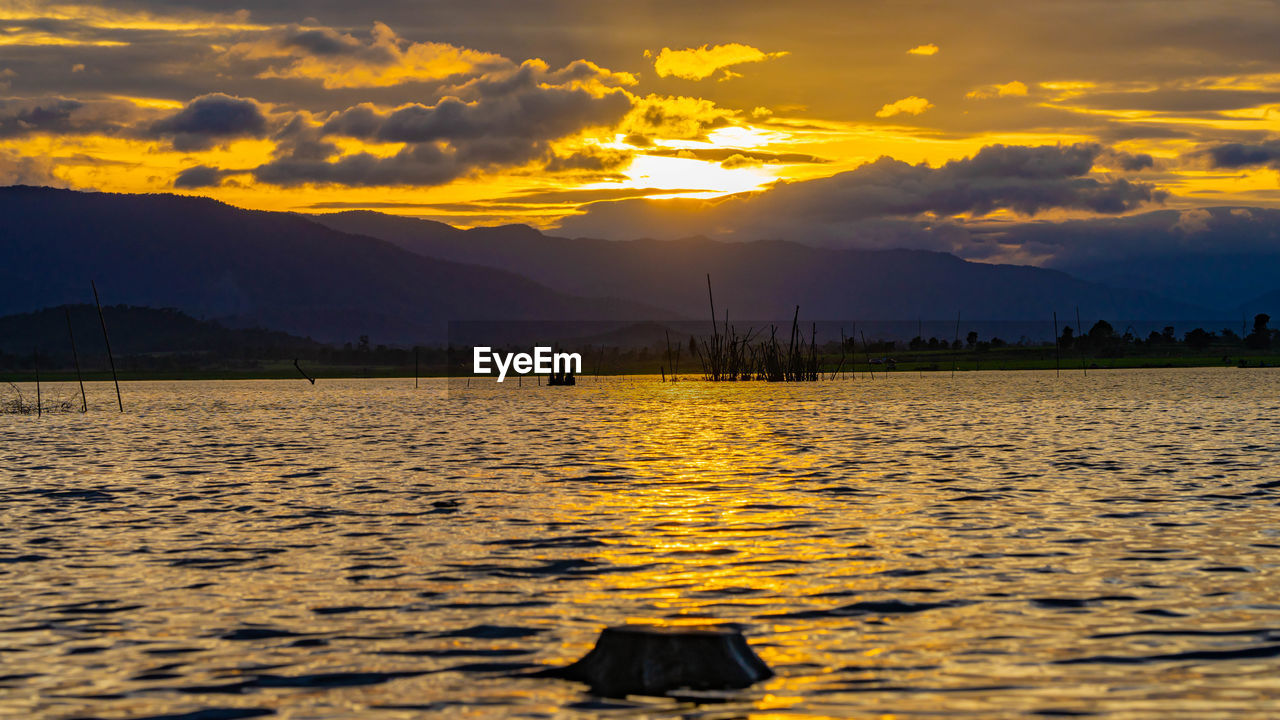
542, 361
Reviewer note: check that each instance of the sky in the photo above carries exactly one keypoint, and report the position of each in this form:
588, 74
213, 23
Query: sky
922, 124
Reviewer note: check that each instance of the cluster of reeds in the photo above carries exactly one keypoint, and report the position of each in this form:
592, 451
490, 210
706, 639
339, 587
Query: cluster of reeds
728, 356
14, 402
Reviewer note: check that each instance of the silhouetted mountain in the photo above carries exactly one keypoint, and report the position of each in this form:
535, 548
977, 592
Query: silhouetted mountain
276, 270
135, 331
1226, 281
1268, 303
766, 279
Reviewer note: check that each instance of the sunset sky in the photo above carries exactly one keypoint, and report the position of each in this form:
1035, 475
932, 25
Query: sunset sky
845, 119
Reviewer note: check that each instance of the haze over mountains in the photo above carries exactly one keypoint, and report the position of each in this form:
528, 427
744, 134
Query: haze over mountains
339, 276
766, 279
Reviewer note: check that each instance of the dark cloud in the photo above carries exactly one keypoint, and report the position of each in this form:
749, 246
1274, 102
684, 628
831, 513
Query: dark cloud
1025, 180
324, 41
590, 159
1240, 155
510, 119
529, 112
210, 119
63, 116
199, 176
1199, 231
1130, 162
51, 116
415, 165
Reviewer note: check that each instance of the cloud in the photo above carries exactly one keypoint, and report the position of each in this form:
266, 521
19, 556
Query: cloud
1126, 162
199, 176
1022, 180
415, 165
703, 62
1009, 89
1161, 234
929, 49
590, 159
210, 119
1240, 155
16, 169
64, 116
341, 60
740, 160
910, 105
503, 119
674, 118
1193, 221
724, 154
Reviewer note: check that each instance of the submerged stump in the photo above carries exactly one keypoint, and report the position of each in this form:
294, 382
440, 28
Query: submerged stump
655, 660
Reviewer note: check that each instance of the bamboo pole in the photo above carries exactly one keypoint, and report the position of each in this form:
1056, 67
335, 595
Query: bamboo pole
110, 358
1079, 337
953, 345
35, 359
1057, 347
853, 356
84, 401
867, 349
415, 367
304, 372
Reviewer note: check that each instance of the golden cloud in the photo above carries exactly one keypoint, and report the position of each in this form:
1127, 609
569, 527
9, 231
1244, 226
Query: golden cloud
344, 61
929, 49
990, 91
674, 117
911, 105
703, 62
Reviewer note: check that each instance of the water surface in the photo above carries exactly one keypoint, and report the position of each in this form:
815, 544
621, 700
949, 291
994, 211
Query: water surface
993, 545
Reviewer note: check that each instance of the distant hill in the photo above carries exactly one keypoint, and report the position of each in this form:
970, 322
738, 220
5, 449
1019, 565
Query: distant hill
135, 331
766, 279
1237, 281
252, 268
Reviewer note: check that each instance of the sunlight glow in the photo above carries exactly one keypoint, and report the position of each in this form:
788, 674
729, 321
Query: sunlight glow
670, 172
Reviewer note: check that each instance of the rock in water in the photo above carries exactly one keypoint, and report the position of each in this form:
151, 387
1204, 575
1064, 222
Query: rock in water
654, 660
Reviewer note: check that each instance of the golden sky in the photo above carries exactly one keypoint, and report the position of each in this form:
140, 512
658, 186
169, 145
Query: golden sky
592, 116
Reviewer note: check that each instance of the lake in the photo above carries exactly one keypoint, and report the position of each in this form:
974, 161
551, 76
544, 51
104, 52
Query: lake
988, 545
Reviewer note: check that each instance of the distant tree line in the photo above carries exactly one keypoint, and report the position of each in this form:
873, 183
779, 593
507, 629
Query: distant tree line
1102, 340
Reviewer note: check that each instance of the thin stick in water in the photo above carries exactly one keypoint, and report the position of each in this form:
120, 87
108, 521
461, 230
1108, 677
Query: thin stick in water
867, 349
1057, 347
110, 358
304, 372
84, 401
35, 358
953, 345
1079, 337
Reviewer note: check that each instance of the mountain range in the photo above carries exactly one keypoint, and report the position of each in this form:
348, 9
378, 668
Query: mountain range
251, 268
767, 279
336, 277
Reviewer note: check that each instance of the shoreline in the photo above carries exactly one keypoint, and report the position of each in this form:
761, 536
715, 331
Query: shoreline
941, 365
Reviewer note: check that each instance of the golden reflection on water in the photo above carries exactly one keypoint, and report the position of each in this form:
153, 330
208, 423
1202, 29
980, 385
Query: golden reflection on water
991, 546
